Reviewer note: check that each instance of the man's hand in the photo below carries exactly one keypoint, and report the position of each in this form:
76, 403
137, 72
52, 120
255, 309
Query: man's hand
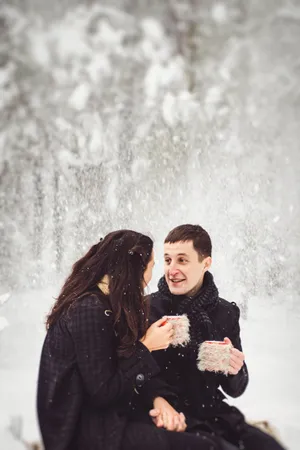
165, 416
236, 359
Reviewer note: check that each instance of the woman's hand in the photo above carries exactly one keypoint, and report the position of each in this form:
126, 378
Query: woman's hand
164, 415
158, 336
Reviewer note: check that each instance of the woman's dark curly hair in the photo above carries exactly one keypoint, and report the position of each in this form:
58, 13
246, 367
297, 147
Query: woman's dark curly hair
123, 256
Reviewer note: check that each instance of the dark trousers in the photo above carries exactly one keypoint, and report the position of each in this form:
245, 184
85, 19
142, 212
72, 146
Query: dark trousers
234, 431
139, 436
252, 438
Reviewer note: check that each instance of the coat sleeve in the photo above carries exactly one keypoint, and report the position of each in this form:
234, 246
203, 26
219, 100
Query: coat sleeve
156, 387
235, 385
106, 379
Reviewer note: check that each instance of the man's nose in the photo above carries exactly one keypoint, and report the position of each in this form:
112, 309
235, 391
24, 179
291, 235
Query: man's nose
173, 271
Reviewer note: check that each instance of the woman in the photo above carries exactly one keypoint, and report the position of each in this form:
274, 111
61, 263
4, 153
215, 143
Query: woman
96, 358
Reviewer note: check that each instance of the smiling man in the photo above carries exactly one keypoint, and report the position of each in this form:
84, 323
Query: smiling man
188, 288
184, 271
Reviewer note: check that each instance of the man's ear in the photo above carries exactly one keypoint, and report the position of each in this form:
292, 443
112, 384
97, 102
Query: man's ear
207, 263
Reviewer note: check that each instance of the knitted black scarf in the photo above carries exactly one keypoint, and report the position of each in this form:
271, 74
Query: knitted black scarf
197, 308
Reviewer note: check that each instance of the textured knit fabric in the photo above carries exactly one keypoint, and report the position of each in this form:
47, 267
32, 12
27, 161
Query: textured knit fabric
197, 309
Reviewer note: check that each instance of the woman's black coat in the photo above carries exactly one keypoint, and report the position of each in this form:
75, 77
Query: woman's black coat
85, 392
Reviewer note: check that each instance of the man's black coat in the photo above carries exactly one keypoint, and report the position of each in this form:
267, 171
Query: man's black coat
199, 394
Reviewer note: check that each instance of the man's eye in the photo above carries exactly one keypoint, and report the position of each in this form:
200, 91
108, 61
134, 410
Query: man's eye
167, 261
182, 260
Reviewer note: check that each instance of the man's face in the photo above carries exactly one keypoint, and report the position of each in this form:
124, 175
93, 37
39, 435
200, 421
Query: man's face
183, 271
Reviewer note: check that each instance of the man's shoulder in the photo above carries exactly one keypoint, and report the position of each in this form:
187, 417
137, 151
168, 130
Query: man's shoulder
159, 305
155, 296
229, 307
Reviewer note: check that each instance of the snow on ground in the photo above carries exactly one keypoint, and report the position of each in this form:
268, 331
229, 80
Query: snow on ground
270, 335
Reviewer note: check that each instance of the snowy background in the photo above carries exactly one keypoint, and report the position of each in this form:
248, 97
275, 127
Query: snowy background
146, 115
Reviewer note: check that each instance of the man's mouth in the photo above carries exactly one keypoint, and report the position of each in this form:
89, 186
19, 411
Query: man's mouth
176, 280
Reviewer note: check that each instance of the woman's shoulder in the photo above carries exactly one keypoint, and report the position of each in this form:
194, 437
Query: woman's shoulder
91, 298
92, 304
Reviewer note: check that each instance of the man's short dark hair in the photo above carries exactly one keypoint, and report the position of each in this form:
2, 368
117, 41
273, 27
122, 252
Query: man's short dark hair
200, 237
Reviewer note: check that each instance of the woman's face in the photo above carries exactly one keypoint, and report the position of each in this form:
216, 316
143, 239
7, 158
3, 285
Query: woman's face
148, 271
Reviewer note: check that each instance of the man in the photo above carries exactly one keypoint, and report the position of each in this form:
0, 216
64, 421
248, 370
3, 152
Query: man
188, 288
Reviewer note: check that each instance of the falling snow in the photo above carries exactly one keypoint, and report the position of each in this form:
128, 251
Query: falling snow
146, 118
